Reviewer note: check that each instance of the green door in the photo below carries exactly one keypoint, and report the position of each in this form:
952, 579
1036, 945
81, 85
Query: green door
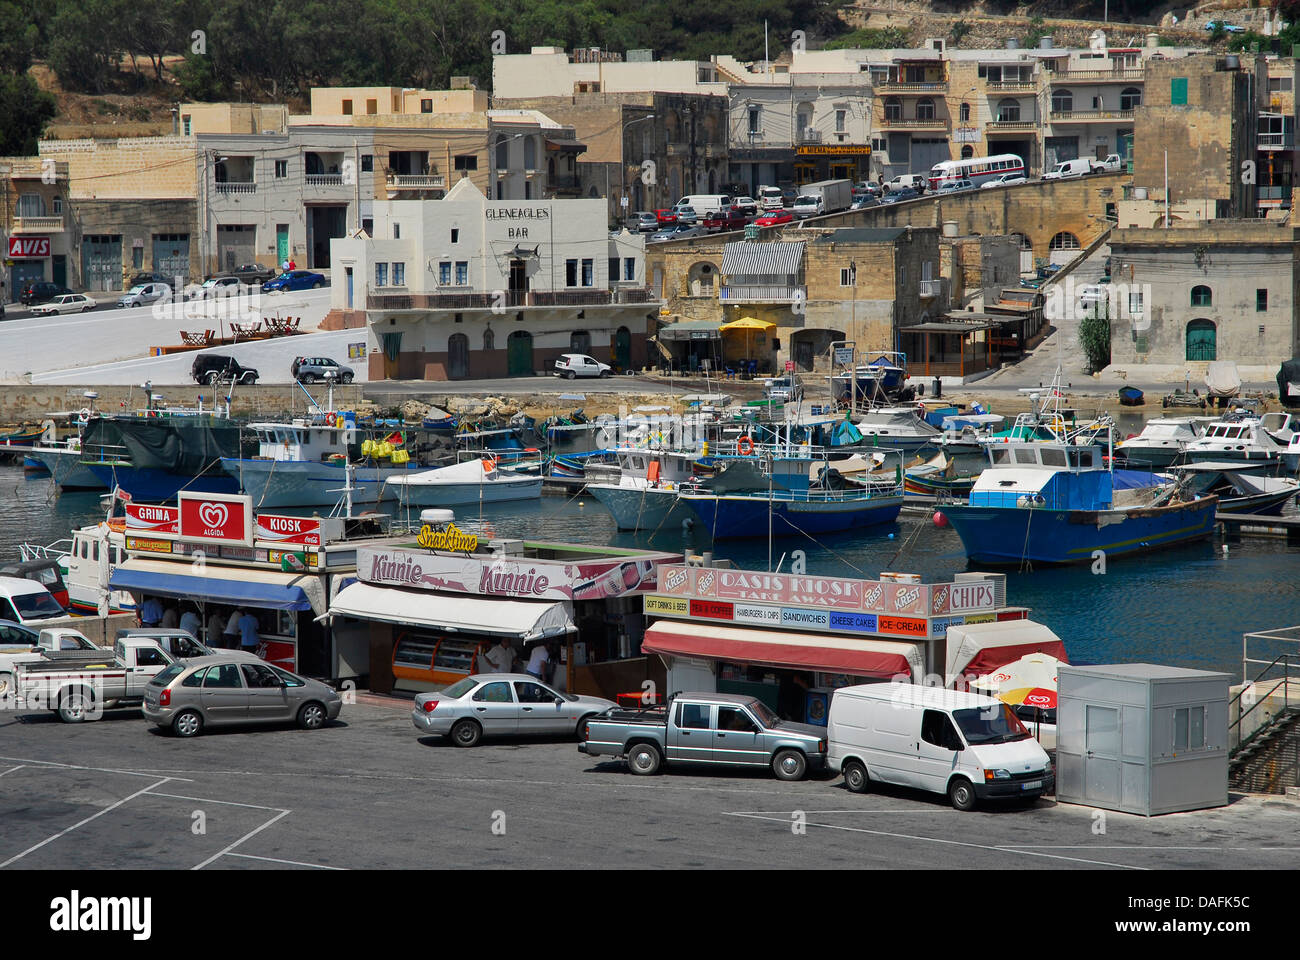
623, 348
519, 354
1201, 340
281, 243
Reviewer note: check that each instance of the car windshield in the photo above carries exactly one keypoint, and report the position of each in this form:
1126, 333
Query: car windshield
996, 723
765, 716
36, 605
168, 674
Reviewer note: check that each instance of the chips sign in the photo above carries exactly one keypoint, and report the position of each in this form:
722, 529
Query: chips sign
452, 539
302, 531
216, 518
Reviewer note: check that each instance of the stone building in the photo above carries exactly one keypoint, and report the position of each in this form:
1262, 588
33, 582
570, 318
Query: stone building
1217, 290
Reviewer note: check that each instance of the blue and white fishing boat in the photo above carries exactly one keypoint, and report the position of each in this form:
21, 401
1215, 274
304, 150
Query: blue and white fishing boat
1058, 503
788, 494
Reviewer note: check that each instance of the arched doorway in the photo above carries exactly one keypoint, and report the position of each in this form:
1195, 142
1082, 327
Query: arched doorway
1202, 340
457, 356
623, 348
519, 354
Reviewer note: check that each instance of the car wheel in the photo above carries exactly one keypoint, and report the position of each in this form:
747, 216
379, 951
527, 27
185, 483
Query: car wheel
346, 378
74, 705
466, 733
6, 687
855, 777
961, 794
789, 765
213, 378
317, 285
311, 716
187, 724
644, 759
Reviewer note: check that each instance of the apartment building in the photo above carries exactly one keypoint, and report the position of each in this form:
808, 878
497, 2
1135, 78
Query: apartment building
467, 287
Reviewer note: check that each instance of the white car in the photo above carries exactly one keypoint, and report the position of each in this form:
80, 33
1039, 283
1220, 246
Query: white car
68, 303
1005, 180
574, 365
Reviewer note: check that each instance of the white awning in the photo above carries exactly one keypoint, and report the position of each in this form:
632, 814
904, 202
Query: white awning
525, 619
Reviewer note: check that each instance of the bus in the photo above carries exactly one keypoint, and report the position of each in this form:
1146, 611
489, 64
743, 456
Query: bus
979, 170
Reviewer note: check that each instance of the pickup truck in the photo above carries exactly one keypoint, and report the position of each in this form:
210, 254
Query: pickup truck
59, 645
84, 691
721, 220
710, 728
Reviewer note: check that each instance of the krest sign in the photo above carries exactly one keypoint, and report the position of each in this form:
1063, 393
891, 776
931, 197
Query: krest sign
216, 518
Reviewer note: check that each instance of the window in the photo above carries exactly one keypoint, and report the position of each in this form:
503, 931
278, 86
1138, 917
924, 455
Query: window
381, 274
367, 163
925, 109
735, 720
281, 169
1130, 98
1201, 296
399, 274
444, 273
462, 273
455, 235
1261, 301
426, 105
1009, 110
1062, 101
465, 161
498, 692
570, 273
629, 268
224, 676
1178, 91
693, 716
1201, 340
1189, 728
588, 273
963, 113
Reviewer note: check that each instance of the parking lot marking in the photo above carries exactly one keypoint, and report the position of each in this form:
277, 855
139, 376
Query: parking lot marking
221, 853
82, 823
938, 840
292, 863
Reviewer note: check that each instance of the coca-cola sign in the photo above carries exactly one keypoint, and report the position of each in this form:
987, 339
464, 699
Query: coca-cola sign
143, 518
216, 518
298, 530
29, 248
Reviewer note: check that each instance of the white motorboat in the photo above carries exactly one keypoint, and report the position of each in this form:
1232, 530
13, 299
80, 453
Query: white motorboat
474, 481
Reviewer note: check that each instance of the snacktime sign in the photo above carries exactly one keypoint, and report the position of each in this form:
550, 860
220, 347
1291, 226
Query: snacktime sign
883, 608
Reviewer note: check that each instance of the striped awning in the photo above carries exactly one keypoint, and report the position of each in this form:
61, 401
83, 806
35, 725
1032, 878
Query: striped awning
742, 258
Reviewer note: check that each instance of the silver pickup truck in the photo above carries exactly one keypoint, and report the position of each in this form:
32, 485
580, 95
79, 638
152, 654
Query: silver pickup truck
716, 728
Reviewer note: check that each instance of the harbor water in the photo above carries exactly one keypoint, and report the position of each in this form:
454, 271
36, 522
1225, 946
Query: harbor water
1186, 606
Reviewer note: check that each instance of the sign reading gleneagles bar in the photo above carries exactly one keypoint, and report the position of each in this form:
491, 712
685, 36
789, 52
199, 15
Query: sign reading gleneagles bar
808, 602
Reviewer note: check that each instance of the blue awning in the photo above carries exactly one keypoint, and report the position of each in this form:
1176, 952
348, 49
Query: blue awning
264, 590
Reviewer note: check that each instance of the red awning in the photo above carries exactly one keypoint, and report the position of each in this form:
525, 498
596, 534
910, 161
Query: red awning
830, 653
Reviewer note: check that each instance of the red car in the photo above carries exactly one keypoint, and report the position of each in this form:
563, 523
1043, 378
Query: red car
666, 217
775, 218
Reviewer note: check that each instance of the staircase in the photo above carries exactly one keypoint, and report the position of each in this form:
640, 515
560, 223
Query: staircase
1269, 761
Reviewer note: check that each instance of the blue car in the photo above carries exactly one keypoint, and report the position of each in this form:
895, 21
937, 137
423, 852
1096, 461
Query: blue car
295, 280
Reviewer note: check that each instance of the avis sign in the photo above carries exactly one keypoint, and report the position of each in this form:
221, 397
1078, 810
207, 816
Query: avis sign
216, 518
29, 248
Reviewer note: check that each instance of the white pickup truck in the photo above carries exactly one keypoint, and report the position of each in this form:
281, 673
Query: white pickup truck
85, 690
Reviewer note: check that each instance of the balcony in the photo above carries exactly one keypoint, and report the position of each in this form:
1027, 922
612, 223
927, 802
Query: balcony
905, 86
1117, 75
416, 181
235, 187
1011, 86
761, 293
1090, 116
38, 224
915, 123
324, 179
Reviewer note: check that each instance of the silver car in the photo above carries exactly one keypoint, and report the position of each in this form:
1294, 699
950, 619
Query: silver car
503, 704
221, 690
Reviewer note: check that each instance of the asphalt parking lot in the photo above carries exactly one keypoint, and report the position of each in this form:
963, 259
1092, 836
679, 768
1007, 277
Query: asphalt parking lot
370, 792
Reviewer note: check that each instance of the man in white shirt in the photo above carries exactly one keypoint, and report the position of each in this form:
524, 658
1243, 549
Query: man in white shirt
501, 657
538, 660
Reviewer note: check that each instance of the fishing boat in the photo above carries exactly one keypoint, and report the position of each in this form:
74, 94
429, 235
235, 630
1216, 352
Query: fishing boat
1059, 503
474, 481
1161, 441
644, 495
775, 495
1239, 491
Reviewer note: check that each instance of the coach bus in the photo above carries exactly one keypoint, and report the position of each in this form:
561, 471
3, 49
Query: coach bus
979, 170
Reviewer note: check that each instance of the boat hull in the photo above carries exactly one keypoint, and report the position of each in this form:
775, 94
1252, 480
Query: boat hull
280, 483
157, 486
458, 494
641, 509
735, 517
1015, 535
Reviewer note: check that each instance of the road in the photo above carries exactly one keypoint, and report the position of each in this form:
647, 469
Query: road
371, 792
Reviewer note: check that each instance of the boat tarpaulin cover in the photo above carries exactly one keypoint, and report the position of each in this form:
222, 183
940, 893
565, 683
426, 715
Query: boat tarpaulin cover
975, 649
264, 589
859, 657
525, 619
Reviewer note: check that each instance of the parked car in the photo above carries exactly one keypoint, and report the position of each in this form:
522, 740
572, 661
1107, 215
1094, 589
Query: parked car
1004, 180
573, 365
504, 704
686, 214
916, 181
968, 746
214, 368
27, 602
711, 728
775, 218
311, 369
66, 303
220, 690
144, 294
955, 186
41, 291
250, 273
899, 195
665, 216
1111, 164
644, 222
295, 280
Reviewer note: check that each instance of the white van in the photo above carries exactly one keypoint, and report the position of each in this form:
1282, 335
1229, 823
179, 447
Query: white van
1069, 169
706, 203
969, 746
